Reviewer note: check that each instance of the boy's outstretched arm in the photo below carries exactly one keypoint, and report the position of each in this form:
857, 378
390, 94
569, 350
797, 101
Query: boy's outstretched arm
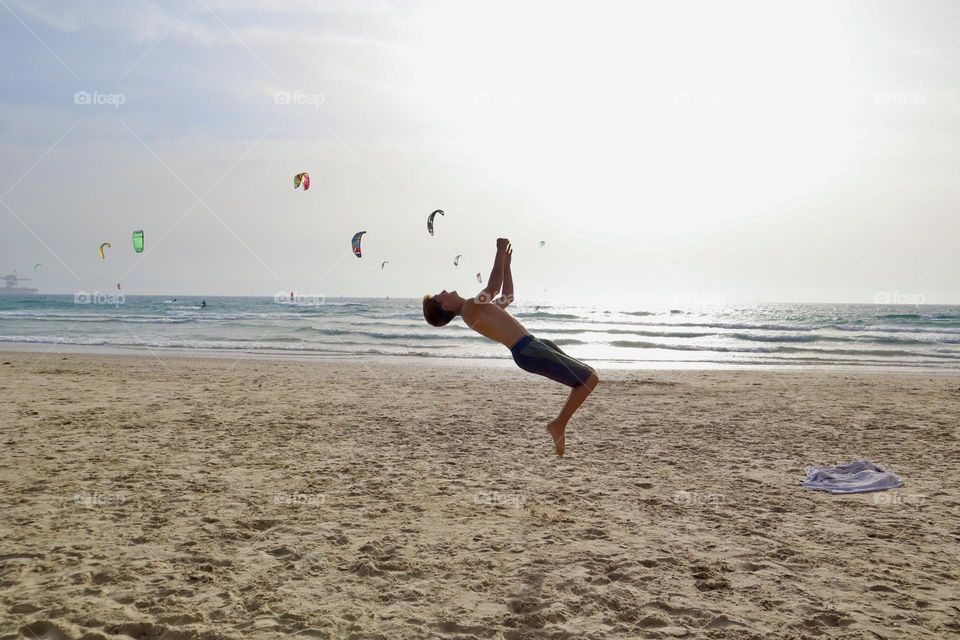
496, 274
506, 295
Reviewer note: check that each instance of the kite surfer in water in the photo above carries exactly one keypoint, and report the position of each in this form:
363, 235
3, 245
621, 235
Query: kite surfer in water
486, 314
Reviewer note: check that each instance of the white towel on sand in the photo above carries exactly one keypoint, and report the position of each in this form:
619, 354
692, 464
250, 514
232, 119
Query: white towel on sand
861, 476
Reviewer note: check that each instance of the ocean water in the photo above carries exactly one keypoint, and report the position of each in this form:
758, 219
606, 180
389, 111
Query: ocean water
809, 335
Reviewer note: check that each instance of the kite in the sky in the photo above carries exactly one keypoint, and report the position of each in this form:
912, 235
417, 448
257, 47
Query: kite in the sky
542, 242
456, 261
355, 243
118, 286
430, 220
301, 178
37, 266
383, 263
479, 277
100, 250
138, 241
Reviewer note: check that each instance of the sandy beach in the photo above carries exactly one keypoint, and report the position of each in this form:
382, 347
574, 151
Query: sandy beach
178, 498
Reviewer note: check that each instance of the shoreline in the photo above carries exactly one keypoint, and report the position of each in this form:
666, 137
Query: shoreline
493, 362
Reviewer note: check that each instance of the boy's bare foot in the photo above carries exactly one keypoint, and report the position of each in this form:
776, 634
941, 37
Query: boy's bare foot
556, 430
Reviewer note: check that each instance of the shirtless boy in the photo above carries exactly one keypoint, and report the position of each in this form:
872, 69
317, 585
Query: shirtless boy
486, 315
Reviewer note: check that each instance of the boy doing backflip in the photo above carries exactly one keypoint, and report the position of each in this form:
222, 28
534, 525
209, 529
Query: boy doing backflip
486, 314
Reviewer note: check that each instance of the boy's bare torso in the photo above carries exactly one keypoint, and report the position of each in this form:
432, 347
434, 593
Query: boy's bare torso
491, 321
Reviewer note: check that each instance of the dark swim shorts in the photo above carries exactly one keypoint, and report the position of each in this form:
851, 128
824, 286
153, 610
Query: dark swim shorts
546, 359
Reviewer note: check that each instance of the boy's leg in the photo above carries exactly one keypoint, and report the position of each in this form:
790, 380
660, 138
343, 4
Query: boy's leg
558, 426
545, 358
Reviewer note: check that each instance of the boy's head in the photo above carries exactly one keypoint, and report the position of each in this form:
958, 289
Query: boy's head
439, 309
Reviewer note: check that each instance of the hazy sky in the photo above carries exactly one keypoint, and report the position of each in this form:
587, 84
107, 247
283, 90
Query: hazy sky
665, 151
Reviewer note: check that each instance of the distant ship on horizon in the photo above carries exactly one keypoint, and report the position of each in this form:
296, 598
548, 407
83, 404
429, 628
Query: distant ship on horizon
11, 286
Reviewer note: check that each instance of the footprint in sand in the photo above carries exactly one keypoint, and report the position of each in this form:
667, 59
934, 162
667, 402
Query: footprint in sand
44, 630
453, 627
525, 605
24, 607
337, 538
827, 619
260, 524
365, 567
882, 588
284, 553
706, 579
122, 598
145, 631
594, 533
722, 621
